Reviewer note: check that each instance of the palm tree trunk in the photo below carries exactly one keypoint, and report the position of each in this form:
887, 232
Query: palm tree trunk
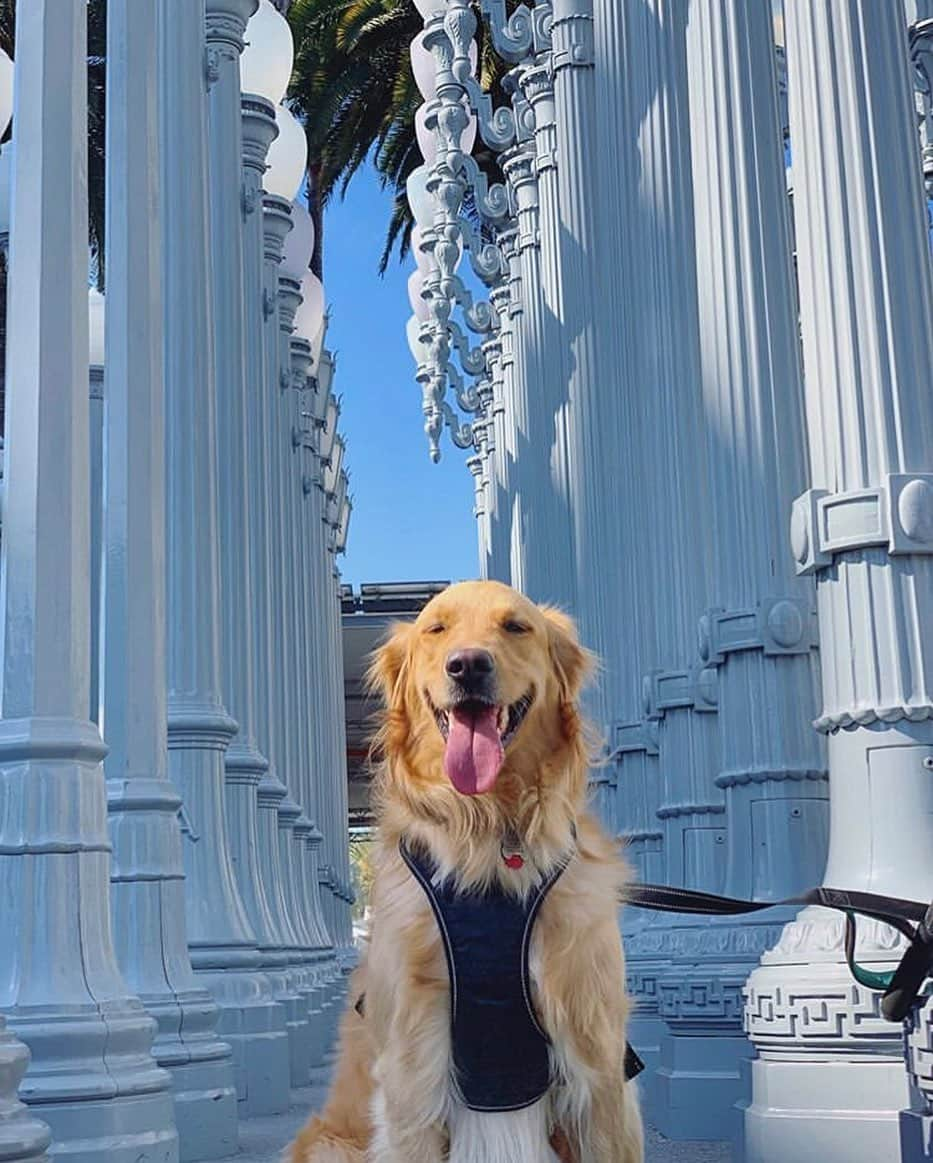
316, 210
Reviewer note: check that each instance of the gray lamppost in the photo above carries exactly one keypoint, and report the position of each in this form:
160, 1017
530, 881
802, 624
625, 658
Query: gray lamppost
655, 408
244, 763
221, 939
62, 993
761, 634
864, 532
259, 130
147, 874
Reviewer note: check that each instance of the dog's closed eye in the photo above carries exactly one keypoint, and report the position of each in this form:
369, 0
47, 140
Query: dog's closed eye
513, 627
437, 628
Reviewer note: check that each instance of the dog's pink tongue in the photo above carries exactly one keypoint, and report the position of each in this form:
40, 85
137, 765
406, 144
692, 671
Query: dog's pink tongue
474, 751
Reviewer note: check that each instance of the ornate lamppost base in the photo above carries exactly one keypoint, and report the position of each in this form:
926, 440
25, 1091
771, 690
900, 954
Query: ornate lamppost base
829, 1080
254, 1026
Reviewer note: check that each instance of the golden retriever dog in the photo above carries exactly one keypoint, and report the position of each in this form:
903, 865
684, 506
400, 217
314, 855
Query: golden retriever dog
486, 1022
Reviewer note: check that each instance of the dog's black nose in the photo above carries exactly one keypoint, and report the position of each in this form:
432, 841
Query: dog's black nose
470, 669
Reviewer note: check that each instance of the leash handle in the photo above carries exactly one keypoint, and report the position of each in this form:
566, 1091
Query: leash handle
902, 989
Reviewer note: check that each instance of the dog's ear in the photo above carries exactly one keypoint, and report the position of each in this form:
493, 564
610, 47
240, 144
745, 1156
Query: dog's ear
572, 664
389, 664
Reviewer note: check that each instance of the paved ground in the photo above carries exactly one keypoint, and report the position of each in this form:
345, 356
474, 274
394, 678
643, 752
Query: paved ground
262, 1140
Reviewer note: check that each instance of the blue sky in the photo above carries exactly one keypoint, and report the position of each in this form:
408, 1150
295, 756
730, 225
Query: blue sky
412, 520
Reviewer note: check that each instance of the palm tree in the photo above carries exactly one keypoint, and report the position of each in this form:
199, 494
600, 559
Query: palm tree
353, 87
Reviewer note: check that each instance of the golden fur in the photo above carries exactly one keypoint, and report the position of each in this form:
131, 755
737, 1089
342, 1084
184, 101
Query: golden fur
390, 1101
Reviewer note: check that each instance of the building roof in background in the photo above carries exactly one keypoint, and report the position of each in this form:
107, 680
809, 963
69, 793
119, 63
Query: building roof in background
367, 614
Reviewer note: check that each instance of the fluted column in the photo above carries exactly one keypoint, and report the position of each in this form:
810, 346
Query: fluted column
96, 416
147, 874
334, 813
297, 987
244, 761
506, 300
595, 550
303, 645
61, 991
258, 132
546, 441
317, 677
294, 359
475, 465
276, 218
341, 791
221, 940
293, 825
671, 487
537, 516
761, 632
620, 528
864, 530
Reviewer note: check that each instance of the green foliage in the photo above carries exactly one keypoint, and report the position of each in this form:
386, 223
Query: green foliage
353, 87
362, 873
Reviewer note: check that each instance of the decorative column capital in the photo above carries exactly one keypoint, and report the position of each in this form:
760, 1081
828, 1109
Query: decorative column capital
537, 84
521, 171
642, 735
784, 625
276, 223
573, 40
271, 791
259, 131
289, 302
225, 22
301, 360
695, 688
288, 810
896, 515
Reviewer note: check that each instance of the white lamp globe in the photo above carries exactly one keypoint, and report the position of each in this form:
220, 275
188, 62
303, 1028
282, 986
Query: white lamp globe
6, 91
6, 186
423, 68
310, 315
428, 7
418, 304
468, 137
287, 157
427, 138
299, 244
266, 61
424, 263
317, 345
418, 350
96, 319
420, 198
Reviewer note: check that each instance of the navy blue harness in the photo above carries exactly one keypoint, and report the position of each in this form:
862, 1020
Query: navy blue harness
500, 1051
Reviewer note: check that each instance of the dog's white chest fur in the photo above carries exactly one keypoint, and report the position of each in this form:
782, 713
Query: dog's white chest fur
500, 1137
479, 1136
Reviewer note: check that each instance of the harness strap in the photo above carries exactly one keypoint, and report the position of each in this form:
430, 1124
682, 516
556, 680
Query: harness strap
902, 988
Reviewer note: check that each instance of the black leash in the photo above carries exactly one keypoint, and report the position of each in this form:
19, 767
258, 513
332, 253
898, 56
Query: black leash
902, 988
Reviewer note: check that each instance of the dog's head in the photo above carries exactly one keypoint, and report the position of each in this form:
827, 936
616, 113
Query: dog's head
483, 682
